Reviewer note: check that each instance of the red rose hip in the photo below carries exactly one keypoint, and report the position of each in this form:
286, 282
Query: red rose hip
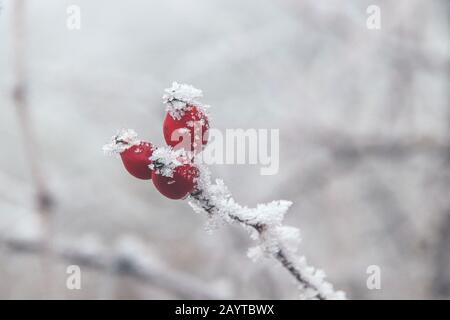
136, 160
186, 124
188, 131
135, 154
180, 185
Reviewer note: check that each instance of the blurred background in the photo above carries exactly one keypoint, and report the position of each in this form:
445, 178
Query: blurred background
364, 145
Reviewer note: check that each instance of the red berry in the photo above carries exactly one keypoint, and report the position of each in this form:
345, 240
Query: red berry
134, 152
180, 185
136, 160
189, 131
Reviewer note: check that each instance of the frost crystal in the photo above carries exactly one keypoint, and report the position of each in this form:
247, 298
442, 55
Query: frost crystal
165, 160
179, 97
121, 141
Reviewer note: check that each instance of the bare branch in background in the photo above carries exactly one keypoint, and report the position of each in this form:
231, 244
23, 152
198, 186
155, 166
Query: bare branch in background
123, 262
20, 97
43, 198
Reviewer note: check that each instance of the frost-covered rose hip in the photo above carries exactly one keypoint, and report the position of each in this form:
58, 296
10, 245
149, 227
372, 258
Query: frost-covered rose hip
173, 175
136, 160
189, 131
135, 154
186, 123
180, 185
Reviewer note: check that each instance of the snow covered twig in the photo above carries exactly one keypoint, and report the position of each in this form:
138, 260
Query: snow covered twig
264, 223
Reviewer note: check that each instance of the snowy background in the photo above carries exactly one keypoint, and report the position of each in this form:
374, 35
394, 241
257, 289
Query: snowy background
364, 130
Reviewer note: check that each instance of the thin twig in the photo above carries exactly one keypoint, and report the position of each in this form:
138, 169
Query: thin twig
279, 255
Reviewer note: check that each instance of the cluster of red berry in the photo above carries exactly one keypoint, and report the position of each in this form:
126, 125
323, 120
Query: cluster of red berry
171, 168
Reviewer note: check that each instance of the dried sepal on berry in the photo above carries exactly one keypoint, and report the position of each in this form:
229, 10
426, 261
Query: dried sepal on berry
179, 97
135, 153
186, 123
174, 175
121, 141
165, 160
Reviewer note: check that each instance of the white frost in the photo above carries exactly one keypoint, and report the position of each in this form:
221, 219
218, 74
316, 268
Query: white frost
179, 97
272, 235
121, 141
165, 160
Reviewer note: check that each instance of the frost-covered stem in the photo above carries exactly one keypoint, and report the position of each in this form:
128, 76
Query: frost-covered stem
279, 255
264, 224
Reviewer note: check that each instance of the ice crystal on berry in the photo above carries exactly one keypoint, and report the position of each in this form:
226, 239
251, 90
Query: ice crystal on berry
165, 160
179, 97
121, 141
